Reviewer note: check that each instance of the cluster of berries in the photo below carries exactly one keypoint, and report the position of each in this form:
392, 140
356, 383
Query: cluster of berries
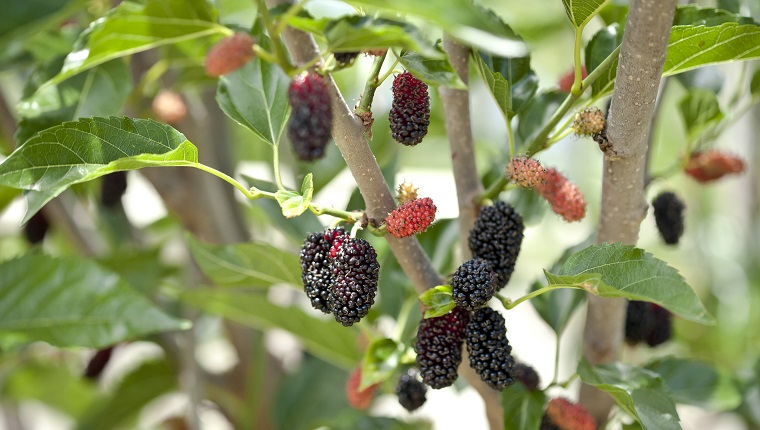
495, 242
565, 198
340, 274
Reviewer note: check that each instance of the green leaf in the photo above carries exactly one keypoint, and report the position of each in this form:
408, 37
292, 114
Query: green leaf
133, 27
438, 300
696, 383
101, 91
639, 392
142, 270
613, 13
361, 33
74, 302
432, 70
294, 204
696, 15
557, 306
256, 97
512, 82
470, 23
523, 409
138, 388
699, 109
380, 362
597, 50
53, 385
580, 12
324, 338
690, 46
535, 115
25, 21
82, 150
246, 264
617, 270
754, 85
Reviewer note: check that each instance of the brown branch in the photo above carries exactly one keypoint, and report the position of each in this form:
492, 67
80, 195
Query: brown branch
623, 204
456, 107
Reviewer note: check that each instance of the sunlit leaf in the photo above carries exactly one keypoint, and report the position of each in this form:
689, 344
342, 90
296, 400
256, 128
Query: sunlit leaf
580, 12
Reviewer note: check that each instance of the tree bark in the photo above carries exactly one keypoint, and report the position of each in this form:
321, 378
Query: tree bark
623, 204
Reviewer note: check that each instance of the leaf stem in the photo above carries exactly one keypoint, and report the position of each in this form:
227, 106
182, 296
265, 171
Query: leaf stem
540, 142
253, 193
577, 88
276, 166
510, 304
279, 50
365, 104
510, 137
557, 342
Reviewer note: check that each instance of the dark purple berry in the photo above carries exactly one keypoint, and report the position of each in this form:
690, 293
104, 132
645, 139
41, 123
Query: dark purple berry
345, 58
496, 237
410, 391
526, 375
355, 276
410, 112
113, 188
489, 349
36, 228
316, 269
668, 214
311, 116
473, 284
439, 347
647, 322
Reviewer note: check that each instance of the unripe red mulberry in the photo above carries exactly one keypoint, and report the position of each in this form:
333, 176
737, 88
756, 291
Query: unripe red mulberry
473, 284
355, 277
410, 112
496, 237
589, 121
439, 347
410, 391
526, 172
562, 414
668, 215
567, 80
310, 119
489, 349
229, 54
564, 197
412, 217
359, 399
710, 165
316, 266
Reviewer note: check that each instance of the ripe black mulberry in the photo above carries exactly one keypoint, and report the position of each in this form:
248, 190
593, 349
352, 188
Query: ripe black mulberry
526, 375
647, 322
496, 237
473, 284
36, 228
316, 269
410, 112
311, 116
439, 347
489, 349
410, 391
668, 214
113, 188
355, 277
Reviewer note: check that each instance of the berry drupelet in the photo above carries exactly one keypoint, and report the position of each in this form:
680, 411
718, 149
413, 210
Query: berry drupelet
496, 237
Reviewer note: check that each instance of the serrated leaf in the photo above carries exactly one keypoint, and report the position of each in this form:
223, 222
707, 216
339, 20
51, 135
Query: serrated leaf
74, 302
326, 339
82, 150
246, 264
361, 33
137, 389
696, 383
132, 27
601, 45
580, 12
617, 270
438, 300
101, 91
380, 362
699, 109
468, 22
690, 47
638, 391
256, 97
510, 79
523, 409
432, 70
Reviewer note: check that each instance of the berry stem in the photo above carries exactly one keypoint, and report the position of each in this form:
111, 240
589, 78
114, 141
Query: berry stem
559, 136
577, 88
276, 166
344, 215
541, 140
389, 72
511, 138
365, 104
264, 54
557, 343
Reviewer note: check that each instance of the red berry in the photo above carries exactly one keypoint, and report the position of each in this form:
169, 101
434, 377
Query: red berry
711, 165
562, 414
356, 398
565, 197
410, 112
526, 172
566, 81
229, 54
413, 217
310, 119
